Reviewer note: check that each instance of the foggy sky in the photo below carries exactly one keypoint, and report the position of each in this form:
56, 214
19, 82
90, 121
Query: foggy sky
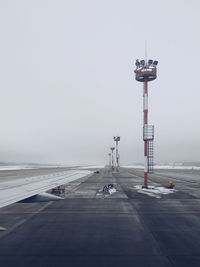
67, 79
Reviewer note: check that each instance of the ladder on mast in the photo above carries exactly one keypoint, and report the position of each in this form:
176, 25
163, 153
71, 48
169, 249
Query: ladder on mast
150, 156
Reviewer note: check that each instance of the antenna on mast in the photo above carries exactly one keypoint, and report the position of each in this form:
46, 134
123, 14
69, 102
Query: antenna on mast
146, 51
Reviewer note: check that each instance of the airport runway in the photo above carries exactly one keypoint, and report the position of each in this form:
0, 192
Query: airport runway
90, 228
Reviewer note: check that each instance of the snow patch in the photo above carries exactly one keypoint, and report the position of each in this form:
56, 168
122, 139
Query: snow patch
154, 191
90, 167
163, 167
112, 191
17, 167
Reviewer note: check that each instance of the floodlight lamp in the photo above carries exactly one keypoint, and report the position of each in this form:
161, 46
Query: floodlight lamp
116, 138
137, 63
155, 63
142, 62
150, 62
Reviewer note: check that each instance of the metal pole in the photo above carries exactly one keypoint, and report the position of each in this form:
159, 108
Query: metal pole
112, 161
117, 156
145, 123
109, 160
117, 160
145, 72
112, 149
117, 139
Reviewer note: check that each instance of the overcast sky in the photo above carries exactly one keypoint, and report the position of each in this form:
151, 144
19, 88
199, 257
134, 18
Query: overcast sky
67, 79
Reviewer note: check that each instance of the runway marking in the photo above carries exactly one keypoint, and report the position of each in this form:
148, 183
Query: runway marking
24, 220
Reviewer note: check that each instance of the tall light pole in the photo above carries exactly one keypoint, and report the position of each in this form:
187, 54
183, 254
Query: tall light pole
117, 139
112, 149
109, 154
146, 71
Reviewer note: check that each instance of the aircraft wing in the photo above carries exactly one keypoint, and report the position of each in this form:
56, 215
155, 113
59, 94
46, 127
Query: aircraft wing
23, 188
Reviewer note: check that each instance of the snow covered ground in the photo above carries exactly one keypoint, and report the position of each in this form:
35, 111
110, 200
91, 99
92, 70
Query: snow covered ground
169, 167
154, 191
26, 167
17, 167
29, 167
91, 167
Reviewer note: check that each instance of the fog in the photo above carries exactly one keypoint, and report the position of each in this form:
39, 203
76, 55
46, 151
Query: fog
67, 79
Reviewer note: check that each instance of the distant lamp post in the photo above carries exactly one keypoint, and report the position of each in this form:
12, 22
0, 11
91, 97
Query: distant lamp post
117, 139
112, 149
109, 154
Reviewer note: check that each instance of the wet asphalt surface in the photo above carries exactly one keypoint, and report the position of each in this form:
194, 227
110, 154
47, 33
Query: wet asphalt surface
90, 228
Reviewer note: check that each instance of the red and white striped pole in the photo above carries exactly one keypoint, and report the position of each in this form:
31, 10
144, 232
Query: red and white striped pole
145, 72
145, 123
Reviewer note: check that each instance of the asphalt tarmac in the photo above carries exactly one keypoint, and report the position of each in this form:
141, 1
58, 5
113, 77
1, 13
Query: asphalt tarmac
89, 228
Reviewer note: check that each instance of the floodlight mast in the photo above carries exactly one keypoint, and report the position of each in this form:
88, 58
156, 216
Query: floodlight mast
146, 71
112, 149
117, 139
109, 155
